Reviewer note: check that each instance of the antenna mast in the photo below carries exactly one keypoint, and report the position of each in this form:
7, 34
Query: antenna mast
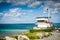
48, 11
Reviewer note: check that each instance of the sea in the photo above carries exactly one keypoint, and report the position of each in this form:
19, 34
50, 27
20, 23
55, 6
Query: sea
14, 29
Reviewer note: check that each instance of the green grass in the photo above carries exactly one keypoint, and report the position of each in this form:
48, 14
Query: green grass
38, 30
31, 35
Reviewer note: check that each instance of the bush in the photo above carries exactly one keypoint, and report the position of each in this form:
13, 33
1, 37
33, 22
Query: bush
45, 30
32, 35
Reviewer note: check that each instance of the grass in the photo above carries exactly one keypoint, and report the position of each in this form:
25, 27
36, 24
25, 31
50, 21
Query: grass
38, 30
32, 35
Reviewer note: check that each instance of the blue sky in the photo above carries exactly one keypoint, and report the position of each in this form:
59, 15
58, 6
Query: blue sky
26, 11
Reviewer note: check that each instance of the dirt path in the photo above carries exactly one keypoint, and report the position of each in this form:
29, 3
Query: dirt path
55, 36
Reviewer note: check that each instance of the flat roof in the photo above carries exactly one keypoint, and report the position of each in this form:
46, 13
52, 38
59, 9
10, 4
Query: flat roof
43, 17
47, 22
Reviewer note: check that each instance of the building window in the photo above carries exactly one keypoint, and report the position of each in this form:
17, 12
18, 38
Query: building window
41, 21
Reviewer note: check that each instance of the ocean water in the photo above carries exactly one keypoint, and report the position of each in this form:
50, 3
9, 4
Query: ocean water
13, 29
22, 26
57, 25
17, 26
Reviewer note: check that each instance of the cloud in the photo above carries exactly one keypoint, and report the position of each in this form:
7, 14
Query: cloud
8, 1
57, 5
20, 15
22, 2
16, 2
1, 14
55, 10
30, 3
34, 4
0, 1
13, 12
53, 6
27, 11
10, 16
15, 15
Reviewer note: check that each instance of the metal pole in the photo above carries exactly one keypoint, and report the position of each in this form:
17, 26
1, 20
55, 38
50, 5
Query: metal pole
48, 11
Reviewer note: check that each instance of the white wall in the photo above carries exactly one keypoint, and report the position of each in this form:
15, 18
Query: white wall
43, 25
43, 19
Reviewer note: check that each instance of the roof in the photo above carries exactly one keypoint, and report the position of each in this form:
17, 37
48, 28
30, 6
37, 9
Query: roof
43, 17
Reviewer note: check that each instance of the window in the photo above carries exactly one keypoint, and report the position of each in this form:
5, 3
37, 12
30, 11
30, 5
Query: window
41, 21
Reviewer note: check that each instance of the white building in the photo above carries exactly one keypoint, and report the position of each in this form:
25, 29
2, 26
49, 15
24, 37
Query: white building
43, 23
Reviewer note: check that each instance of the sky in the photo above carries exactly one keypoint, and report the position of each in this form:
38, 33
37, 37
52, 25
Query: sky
26, 11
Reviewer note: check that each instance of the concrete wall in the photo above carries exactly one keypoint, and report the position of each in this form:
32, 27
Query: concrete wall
43, 19
43, 25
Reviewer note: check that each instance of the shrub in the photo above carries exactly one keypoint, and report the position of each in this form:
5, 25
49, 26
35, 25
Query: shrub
45, 30
32, 35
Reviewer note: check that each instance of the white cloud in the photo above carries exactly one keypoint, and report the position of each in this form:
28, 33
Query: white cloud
0, 1
27, 11
30, 3
11, 16
15, 15
52, 10
55, 10
8, 1
15, 12
21, 2
18, 2
57, 5
1, 14
34, 4
52, 6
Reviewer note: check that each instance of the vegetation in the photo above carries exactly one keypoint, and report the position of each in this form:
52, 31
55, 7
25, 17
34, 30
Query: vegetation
38, 30
31, 35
